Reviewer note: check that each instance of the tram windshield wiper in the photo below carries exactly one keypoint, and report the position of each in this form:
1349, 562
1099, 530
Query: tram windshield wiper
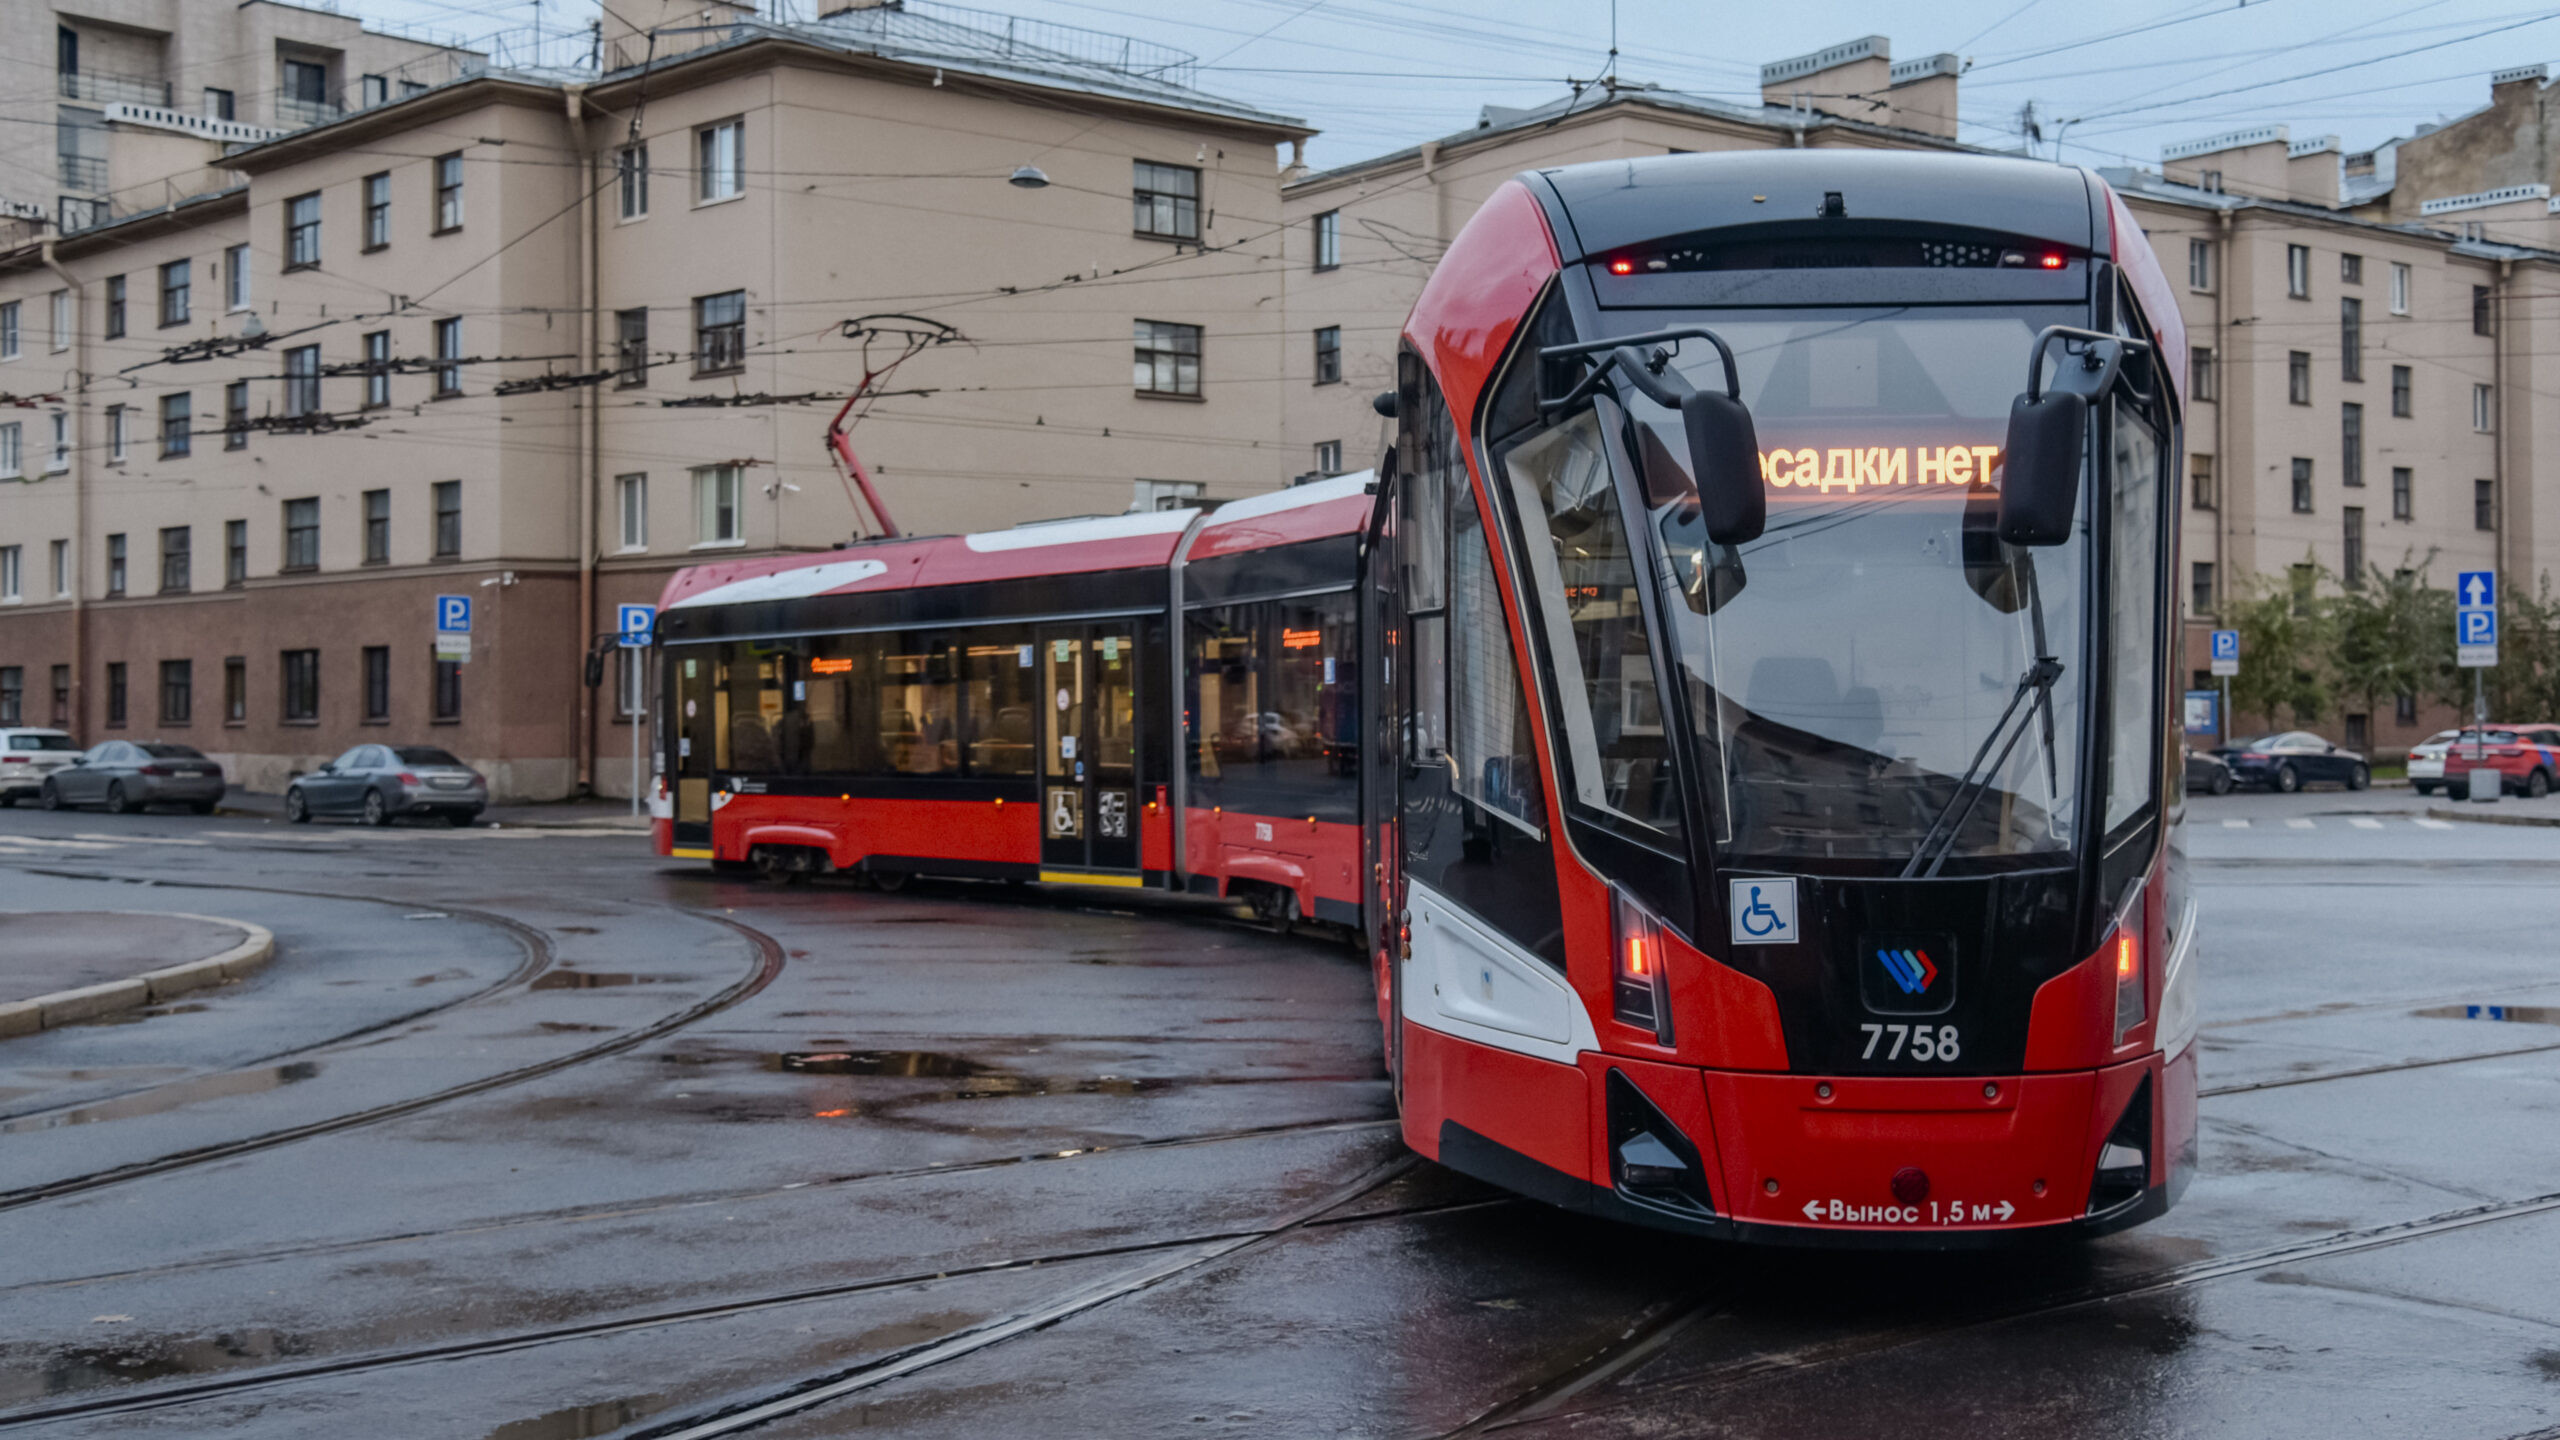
2035, 693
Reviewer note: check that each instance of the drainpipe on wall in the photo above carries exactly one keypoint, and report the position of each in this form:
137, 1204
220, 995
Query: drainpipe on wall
2498, 422
589, 441
79, 408
2222, 467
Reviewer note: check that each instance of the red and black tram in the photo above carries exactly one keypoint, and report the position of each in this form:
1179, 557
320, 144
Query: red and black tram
1735, 718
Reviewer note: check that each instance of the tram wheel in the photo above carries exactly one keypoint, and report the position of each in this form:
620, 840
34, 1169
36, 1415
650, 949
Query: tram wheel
890, 882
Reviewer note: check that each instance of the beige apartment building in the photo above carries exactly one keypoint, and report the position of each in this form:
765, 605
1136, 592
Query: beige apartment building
2366, 383
541, 338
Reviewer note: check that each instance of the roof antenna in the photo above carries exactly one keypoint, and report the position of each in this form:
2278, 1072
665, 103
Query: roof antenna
1612, 81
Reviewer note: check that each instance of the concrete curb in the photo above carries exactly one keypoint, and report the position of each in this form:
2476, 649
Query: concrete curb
65, 1007
2440, 812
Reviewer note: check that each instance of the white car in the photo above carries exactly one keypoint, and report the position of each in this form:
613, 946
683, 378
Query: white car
2426, 759
27, 756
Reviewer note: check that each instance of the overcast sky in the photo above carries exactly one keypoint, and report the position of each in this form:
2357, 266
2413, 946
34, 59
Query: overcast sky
1378, 75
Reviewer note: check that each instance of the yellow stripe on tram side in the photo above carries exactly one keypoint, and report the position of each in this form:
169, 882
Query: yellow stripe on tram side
1079, 877
690, 854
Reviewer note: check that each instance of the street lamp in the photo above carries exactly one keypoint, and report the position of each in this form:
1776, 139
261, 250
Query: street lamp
1029, 177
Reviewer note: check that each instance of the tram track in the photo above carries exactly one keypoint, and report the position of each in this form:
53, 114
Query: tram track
768, 965
1160, 1260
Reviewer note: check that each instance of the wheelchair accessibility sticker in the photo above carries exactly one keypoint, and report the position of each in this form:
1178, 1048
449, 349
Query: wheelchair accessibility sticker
1764, 912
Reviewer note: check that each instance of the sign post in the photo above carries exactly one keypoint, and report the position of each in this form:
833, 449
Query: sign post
453, 628
636, 624
2226, 663
2475, 648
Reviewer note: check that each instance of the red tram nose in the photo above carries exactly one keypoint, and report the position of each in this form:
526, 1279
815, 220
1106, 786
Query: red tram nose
1910, 1185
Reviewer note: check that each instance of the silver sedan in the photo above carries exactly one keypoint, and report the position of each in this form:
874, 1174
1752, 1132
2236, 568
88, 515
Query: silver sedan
126, 775
381, 782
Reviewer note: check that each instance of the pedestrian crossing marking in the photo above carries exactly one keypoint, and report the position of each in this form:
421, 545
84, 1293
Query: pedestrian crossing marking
2235, 824
2299, 824
2364, 822
2433, 824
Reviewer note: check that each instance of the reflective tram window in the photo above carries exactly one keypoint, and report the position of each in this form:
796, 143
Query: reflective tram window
1274, 685
2133, 560
890, 703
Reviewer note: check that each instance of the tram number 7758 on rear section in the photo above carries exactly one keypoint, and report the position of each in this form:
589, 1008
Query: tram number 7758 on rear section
1927, 1042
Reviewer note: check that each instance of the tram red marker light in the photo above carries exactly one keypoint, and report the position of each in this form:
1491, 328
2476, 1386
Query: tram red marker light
1910, 1185
1638, 989
2053, 262
1622, 267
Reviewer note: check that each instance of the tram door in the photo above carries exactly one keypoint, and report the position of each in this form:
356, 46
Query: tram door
1089, 748
694, 724
1382, 745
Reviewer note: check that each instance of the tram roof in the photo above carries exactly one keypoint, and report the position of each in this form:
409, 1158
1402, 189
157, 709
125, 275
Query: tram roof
1060, 547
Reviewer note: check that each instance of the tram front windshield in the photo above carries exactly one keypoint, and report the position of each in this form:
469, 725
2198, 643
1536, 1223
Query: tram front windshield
1846, 670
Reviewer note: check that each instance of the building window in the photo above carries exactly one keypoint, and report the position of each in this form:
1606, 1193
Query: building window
302, 534
13, 694
1328, 239
2304, 581
2199, 264
715, 506
61, 320
235, 690
1168, 358
301, 381
1329, 355
115, 307
2202, 382
1167, 201
1150, 495
9, 331
448, 351
2351, 445
2297, 271
301, 686
115, 434
235, 278
60, 459
2400, 391
115, 564
720, 160
377, 210
2483, 318
177, 421
377, 684
12, 450
2399, 288
631, 347
2350, 338
373, 90
377, 527
448, 690
61, 561
235, 415
2298, 376
2200, 482
235, 554
631, 171
61, 696
720, 333
177, 691
177, 560
2351, 269
2403, 504
631, 496
448, 172
1328, 457
220, 104
177, 287
2351, 547
377, 368
2301, 486
9, 573
448, 508
2484, 504
2484, 408
306, 86
2200, 600
117, 693
302, 232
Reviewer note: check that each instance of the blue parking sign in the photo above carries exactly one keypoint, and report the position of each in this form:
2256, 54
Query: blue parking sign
2226, 644
453, 614
2476, 627
636, 623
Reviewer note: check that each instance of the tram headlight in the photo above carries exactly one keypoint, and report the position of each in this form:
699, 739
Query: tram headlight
1641, 995
2126, 949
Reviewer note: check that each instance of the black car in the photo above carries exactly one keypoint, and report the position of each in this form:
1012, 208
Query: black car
2290, 759
2207, 773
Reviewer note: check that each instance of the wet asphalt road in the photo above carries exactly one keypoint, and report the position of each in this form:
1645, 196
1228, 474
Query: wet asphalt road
525, 1134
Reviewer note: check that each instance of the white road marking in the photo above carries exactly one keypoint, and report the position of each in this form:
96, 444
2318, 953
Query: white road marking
139, 839
2299, 825
2432, 824
52, 844
2364, 822
2235, 824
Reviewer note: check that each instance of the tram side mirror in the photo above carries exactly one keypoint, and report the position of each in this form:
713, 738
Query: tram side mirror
2049, 432
1724, 448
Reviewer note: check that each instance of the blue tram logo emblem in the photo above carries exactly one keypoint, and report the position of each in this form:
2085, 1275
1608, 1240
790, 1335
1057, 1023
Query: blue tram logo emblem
1907, 973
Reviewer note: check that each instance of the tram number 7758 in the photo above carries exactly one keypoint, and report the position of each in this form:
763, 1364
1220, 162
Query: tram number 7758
1927, 1042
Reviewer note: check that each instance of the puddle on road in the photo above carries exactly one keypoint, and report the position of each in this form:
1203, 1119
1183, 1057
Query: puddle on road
170, 1097
874, 1062
2523, 1014
577, 1422
593, 979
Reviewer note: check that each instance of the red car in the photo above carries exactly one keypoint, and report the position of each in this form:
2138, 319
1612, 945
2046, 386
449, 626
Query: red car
2528, 756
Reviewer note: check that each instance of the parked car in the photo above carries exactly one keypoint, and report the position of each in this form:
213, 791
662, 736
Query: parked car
382, 782
127, 775
26, 757
2526, 757
2207, 773
2290, 759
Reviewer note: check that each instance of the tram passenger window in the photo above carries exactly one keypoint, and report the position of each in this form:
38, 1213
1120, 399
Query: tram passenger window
1313, 753
1585, 583
999, 688
841, 676
1492, 761
1227, 700
2133, 619
919, 714
751, 704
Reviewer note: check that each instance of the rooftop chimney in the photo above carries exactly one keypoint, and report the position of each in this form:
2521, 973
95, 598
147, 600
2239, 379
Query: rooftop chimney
1923, 96
1849, 79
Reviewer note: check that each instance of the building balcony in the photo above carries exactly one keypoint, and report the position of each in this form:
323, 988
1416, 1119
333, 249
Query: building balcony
294, 114
86, 173
109, 89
